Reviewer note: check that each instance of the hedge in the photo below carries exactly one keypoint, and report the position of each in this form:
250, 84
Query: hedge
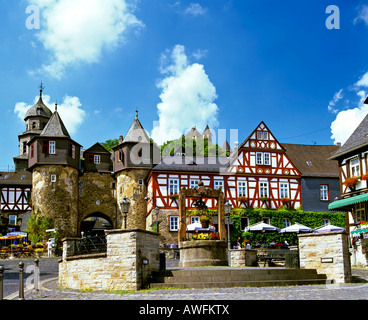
307, 218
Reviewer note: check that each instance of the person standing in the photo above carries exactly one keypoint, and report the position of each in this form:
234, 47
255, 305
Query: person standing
49, 248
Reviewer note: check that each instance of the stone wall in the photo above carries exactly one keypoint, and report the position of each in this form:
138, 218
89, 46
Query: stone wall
57, 200
97, 195
123, 267
243, 258
328, 253
127, 184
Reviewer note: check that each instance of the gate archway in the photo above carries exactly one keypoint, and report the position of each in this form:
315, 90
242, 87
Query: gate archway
95, 224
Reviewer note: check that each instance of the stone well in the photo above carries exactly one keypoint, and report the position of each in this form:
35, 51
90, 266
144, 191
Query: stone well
200, 253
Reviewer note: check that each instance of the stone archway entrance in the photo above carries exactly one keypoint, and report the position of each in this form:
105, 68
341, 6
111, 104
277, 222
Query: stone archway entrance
201, 192
95, 224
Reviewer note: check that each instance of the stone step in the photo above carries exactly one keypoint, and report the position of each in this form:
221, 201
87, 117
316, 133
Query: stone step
225, 277
269, 283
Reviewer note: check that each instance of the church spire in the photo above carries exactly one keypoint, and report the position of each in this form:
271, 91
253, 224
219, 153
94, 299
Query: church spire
41, 89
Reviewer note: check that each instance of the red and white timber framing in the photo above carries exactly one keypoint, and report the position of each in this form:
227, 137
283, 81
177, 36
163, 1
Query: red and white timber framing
261, 168
15, 199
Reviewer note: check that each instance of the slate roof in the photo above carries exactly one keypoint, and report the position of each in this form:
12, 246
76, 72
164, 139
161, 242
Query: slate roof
43, 110
313, 160
55, 127
192, 164
22, 177
193, 133
358, 139
136, 133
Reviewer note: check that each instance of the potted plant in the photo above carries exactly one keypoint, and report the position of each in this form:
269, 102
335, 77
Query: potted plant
351, 182
205, 220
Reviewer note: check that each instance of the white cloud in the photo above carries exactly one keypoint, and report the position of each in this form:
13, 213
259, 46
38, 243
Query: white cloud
78, 31
70, 111
362, 14
195, 9
187, 97
331, 106
346, 121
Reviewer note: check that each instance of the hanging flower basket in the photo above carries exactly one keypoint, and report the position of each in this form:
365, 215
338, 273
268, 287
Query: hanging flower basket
287, 202
265, 201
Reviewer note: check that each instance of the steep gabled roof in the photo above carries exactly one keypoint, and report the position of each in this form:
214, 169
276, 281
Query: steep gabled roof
55, 127
97, 148
226, 146
358, 139
312, 160
193, 133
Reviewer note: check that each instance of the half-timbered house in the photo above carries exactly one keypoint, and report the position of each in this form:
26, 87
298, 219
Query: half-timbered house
258, 174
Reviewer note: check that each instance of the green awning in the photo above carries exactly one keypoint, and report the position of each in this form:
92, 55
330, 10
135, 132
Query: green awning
343, 203
359, 231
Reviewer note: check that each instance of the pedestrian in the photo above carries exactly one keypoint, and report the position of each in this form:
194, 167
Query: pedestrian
238, 243
49, 248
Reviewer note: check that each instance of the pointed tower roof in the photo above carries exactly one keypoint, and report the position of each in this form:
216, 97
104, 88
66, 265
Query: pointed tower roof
136, 132
193, 133
358, 139
55, 127
39, 108
226, 146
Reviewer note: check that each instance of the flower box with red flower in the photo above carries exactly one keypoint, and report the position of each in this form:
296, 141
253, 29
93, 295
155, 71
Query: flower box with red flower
243, 199
363, 224
173, 196
364, 176
351, 182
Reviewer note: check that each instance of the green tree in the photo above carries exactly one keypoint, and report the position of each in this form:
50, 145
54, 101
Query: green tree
109, 144
37, 226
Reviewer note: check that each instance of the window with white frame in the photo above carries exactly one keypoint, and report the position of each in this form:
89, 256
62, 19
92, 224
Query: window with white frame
263, 158
193, 183
12, 219
195, 219
52, 149
263, 189
266, 159
174, 223
325, 222
97, 158
324, 192
360, 212
219, 184
242, 188
284, 190
261, 135
355, 167
173, 186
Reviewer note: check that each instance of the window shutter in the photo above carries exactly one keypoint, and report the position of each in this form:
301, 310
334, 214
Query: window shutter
45, 147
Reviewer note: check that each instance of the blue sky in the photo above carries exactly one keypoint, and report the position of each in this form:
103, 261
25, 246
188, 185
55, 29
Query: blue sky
228, 63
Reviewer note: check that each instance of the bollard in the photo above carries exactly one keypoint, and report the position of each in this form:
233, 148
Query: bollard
36, 274
21, 280
2, 269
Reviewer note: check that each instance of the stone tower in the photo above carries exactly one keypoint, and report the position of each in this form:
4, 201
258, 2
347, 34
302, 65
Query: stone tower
133, 161
35, 119
54, 162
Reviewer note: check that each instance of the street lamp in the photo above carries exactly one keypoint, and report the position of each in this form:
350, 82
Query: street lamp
124, 205
227, 208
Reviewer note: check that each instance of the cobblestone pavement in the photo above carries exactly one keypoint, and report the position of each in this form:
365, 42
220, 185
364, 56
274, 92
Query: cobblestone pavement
357, 290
